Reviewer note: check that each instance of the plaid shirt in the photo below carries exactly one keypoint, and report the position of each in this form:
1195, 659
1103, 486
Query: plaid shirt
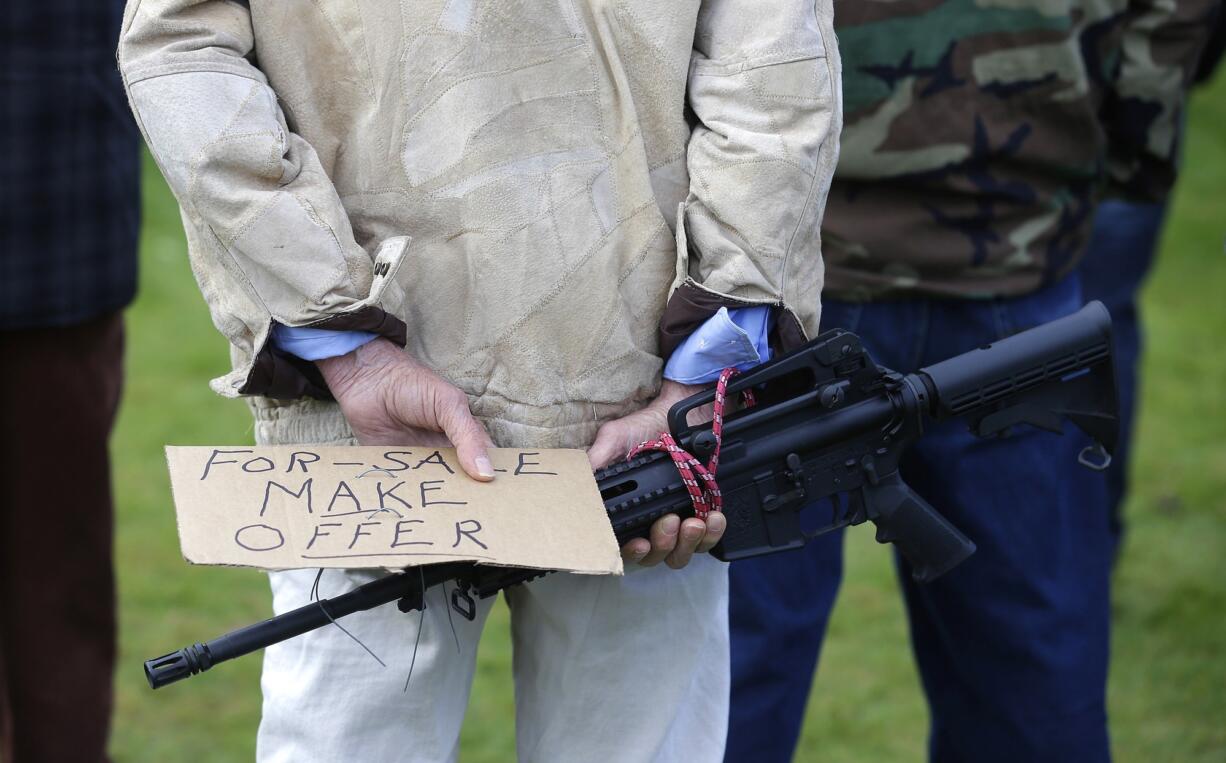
69, 165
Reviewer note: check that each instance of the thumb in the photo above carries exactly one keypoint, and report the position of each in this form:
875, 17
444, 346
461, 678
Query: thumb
472, 444
610, 445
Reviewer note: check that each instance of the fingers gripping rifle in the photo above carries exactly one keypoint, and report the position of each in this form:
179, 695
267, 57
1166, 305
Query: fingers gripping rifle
829, 423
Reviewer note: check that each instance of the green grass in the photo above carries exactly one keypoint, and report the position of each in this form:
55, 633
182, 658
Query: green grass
1168, 679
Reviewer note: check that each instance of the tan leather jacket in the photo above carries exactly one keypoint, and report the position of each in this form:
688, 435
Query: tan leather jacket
513, 190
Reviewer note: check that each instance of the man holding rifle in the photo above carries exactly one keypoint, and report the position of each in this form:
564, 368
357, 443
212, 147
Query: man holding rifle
539, 202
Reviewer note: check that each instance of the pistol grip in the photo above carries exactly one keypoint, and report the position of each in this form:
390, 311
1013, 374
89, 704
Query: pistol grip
927, 540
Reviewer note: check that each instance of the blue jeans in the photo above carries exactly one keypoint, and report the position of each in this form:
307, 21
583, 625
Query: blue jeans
1012, 645
1118, 259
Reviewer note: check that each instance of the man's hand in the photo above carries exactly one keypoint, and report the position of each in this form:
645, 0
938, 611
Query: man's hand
672, 541
391, 399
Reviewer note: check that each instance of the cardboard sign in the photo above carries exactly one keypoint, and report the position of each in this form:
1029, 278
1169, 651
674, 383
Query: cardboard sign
290, 507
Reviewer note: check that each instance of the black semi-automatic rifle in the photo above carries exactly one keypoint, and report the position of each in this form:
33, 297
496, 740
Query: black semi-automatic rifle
828, 423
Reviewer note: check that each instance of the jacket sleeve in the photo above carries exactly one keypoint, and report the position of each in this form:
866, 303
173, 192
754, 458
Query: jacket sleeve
270, 241
765, 92
1160, 47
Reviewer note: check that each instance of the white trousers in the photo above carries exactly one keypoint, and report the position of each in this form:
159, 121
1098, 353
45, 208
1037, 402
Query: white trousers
606, 669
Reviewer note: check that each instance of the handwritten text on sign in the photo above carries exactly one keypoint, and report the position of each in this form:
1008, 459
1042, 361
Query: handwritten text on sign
293, 507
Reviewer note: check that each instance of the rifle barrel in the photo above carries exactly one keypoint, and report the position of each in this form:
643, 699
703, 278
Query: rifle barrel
198, 658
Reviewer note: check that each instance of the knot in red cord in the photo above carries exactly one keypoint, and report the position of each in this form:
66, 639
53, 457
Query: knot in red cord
699, 480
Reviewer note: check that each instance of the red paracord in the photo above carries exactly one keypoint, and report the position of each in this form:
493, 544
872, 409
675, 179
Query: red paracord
705, 495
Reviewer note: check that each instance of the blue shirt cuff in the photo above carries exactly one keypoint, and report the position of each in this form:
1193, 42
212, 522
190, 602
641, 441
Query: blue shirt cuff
737, 338
317, 344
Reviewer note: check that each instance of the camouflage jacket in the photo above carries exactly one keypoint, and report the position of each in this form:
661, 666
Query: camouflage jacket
979, 135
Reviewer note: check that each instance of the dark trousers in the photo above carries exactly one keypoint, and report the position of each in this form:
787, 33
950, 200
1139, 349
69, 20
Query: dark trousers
1115, 266
59, 390
1012, 645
